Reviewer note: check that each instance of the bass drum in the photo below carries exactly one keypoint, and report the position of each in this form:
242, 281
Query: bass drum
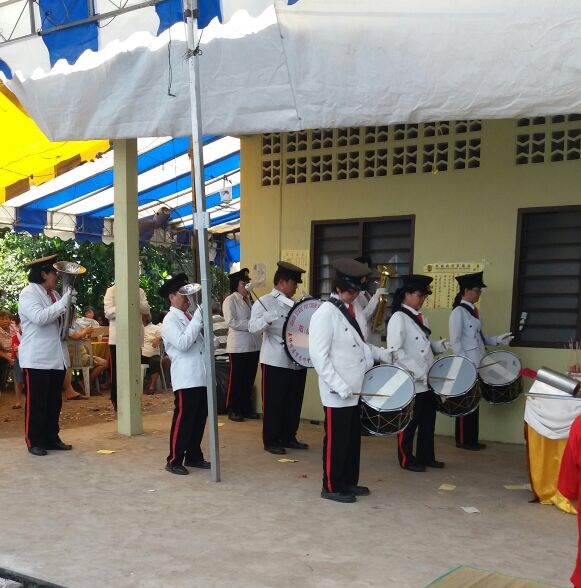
500, 378
454, 380
391, 412
295, 333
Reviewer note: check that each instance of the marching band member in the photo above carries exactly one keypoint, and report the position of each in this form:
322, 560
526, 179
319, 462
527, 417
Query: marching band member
184, 344
408, 341
366, 304
110, 314
341, 357
283, 381
243, 348
467, 339
43, 355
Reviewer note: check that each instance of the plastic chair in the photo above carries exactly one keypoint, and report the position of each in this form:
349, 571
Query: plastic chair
77, 362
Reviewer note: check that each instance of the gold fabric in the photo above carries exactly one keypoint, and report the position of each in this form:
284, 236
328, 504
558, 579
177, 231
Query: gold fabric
544, 457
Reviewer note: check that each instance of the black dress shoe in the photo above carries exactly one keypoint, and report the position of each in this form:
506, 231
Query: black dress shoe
435, 464
199, 463
252, 416
180, 470
37, 451
237, 418
414, 467
339, 496
294, 444
359, 490
477, 447
276, 449
59, 446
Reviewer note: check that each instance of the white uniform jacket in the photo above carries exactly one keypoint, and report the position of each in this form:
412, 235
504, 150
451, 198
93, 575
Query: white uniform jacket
466, 335
411, 348
366, 307
339, 356
184, 344
236, 315
41, 346
272, 351
110, 312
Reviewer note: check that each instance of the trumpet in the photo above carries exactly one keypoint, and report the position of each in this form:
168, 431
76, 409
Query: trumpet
68, 271
385, 271
191, 292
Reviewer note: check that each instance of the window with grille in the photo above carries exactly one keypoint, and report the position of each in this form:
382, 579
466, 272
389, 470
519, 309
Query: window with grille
387, 241
547, 288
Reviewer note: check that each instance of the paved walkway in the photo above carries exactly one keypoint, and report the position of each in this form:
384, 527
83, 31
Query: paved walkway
84, 520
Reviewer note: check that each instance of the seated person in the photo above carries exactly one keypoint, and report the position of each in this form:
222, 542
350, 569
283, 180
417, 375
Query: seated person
88, 318
6, 359
77, 333
150, 354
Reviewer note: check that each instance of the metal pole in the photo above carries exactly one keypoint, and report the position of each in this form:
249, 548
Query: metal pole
201, 224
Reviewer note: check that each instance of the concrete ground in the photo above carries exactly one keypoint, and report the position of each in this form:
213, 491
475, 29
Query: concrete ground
84, 519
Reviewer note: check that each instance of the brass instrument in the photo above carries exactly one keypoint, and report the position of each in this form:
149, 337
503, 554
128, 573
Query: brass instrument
68, 271
191, 291
385, 272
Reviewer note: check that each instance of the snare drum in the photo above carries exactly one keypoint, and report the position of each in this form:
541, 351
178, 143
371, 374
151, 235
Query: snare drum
454, 380
390, 413
295, 333
500, 379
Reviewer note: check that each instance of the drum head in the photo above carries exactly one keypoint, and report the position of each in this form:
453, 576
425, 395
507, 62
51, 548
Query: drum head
452, 375
499, 368
295, 332
395, 384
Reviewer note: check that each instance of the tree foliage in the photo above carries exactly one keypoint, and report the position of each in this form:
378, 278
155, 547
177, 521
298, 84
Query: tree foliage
157, 264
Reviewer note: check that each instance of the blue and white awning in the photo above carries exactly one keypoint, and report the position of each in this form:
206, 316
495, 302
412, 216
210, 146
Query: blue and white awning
79, 203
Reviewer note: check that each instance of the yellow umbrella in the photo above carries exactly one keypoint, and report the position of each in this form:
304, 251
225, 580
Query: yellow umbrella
27, 157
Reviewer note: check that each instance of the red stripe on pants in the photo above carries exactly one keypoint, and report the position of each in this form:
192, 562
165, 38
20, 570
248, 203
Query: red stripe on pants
400, 444
177, 427
328, 453
27, 417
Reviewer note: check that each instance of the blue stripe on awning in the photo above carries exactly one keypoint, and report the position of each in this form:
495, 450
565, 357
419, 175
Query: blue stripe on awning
68, 43
103, 180
89, 229
169, 12
213, 170
31, 221
211, 201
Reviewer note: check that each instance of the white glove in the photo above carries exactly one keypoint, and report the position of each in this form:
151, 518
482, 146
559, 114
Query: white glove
197, 318
73, 296
345, 394
441, 346
66, 298
270, 316
381, 292
504, 339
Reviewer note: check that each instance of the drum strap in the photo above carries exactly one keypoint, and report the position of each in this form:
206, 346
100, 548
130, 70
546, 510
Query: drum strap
416, 320
470, 311
341, 306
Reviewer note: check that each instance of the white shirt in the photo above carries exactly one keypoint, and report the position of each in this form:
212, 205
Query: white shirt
466, 334
184, 344
339, 356
410, 347
236, 315
110, 312
84, 321
150, 332
41, 346
272, 351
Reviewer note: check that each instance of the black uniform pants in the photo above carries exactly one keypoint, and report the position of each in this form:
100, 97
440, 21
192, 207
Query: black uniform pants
187, 426
341, 448
424, 420
241, 380
113, 373
43, 406
467, 428
282, 400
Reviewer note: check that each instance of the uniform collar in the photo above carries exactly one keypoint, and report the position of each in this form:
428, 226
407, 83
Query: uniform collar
177, 311
467, 303
412, 310
282, 297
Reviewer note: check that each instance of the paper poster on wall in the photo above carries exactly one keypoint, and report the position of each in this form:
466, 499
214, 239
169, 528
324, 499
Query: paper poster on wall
258, 274
299, 257
444, 287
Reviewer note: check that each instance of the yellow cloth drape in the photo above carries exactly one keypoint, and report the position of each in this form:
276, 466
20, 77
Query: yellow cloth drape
544, 463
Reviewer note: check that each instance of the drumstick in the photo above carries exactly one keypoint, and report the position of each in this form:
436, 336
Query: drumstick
489, 364
365, 394
439, 378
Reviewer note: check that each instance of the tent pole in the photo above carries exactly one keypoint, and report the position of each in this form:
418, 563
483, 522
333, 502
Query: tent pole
195, 256
201, 225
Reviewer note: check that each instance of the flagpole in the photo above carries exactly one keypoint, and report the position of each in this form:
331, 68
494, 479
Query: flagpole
201, 224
